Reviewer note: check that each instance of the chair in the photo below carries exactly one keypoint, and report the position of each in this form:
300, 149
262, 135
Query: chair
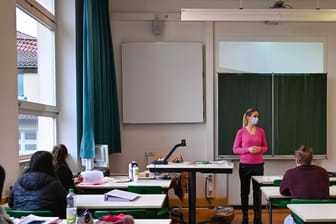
145, 189
308, 201
20, 213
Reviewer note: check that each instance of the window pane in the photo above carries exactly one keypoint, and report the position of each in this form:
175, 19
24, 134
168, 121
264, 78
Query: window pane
35, 60
48, 4
35, 133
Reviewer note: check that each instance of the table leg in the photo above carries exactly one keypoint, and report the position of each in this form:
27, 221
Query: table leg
270, 213
192, 197
269, 210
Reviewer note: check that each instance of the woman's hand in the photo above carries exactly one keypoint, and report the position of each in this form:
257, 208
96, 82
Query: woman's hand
254, 149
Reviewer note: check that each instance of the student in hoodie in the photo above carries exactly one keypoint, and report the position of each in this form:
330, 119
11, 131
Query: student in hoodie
39, 188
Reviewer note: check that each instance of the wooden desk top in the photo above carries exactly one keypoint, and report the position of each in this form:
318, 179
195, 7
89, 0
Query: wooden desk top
96, 201
317, 213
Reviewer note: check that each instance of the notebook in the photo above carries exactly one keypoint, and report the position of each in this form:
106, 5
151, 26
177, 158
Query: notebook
120, 195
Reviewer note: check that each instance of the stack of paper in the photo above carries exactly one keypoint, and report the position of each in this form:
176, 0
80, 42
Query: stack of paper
120, 195
30, 219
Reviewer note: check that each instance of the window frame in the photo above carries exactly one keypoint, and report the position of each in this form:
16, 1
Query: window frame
46, 18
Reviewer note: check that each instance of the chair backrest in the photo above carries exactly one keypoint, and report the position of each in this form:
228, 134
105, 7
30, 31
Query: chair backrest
277, 182
145, 189
20, 213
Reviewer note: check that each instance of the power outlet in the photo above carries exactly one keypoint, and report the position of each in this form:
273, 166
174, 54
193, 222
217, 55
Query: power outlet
210, 186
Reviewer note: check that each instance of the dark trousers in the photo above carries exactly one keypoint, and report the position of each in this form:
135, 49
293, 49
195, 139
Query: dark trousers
246, 171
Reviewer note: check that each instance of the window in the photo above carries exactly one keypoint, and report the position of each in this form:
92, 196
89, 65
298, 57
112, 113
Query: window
35, 32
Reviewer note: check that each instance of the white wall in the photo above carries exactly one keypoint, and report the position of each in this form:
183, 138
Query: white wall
8, 94
138, 139
66, 79
132, 22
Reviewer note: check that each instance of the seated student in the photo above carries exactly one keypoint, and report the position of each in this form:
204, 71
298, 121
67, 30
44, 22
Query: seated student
2, 180
305, 181
38, 188
4, 218
61, 167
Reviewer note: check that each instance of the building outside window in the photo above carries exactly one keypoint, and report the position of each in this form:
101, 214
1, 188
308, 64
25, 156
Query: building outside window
35, 22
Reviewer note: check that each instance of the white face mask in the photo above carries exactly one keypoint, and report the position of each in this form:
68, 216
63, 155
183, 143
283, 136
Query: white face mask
254, 120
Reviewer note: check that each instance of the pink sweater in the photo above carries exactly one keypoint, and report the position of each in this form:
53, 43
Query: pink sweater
244, 140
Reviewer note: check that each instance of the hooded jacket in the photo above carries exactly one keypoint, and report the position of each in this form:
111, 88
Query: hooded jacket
38, 191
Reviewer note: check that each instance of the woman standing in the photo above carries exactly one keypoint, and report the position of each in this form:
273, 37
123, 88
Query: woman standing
250, 143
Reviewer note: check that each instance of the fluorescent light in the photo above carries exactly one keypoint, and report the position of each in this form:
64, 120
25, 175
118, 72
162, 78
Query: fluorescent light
247, 15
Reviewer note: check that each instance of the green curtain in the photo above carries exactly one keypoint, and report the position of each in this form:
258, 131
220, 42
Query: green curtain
96, 81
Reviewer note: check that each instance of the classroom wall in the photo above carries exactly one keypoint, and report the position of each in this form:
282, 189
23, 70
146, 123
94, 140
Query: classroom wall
66, 79
132, 22
8, 94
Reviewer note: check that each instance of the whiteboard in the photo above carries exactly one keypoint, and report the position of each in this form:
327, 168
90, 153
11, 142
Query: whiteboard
162, 82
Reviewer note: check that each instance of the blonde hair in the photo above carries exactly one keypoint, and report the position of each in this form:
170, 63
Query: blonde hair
248, 113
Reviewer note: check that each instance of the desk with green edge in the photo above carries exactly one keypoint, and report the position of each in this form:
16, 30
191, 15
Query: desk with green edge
262, 181
192, 169
96, 201
314, 213
112, 183
273, 193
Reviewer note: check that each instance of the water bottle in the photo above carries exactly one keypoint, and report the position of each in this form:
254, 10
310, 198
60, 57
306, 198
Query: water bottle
71, 209
135, 174
130, 169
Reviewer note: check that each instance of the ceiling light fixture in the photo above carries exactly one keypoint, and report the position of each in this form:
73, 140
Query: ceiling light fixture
250, 15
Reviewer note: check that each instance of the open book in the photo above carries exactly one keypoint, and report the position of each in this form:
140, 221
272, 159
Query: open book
120, 195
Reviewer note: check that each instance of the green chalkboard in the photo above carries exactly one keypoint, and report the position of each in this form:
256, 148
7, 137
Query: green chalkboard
292, 110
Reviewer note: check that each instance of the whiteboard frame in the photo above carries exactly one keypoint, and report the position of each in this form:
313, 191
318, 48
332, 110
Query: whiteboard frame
162, 82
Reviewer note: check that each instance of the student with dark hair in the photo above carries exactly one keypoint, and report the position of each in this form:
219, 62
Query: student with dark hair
305, 181
2, 180
38, 188
4, 218
250, 143
61, 167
